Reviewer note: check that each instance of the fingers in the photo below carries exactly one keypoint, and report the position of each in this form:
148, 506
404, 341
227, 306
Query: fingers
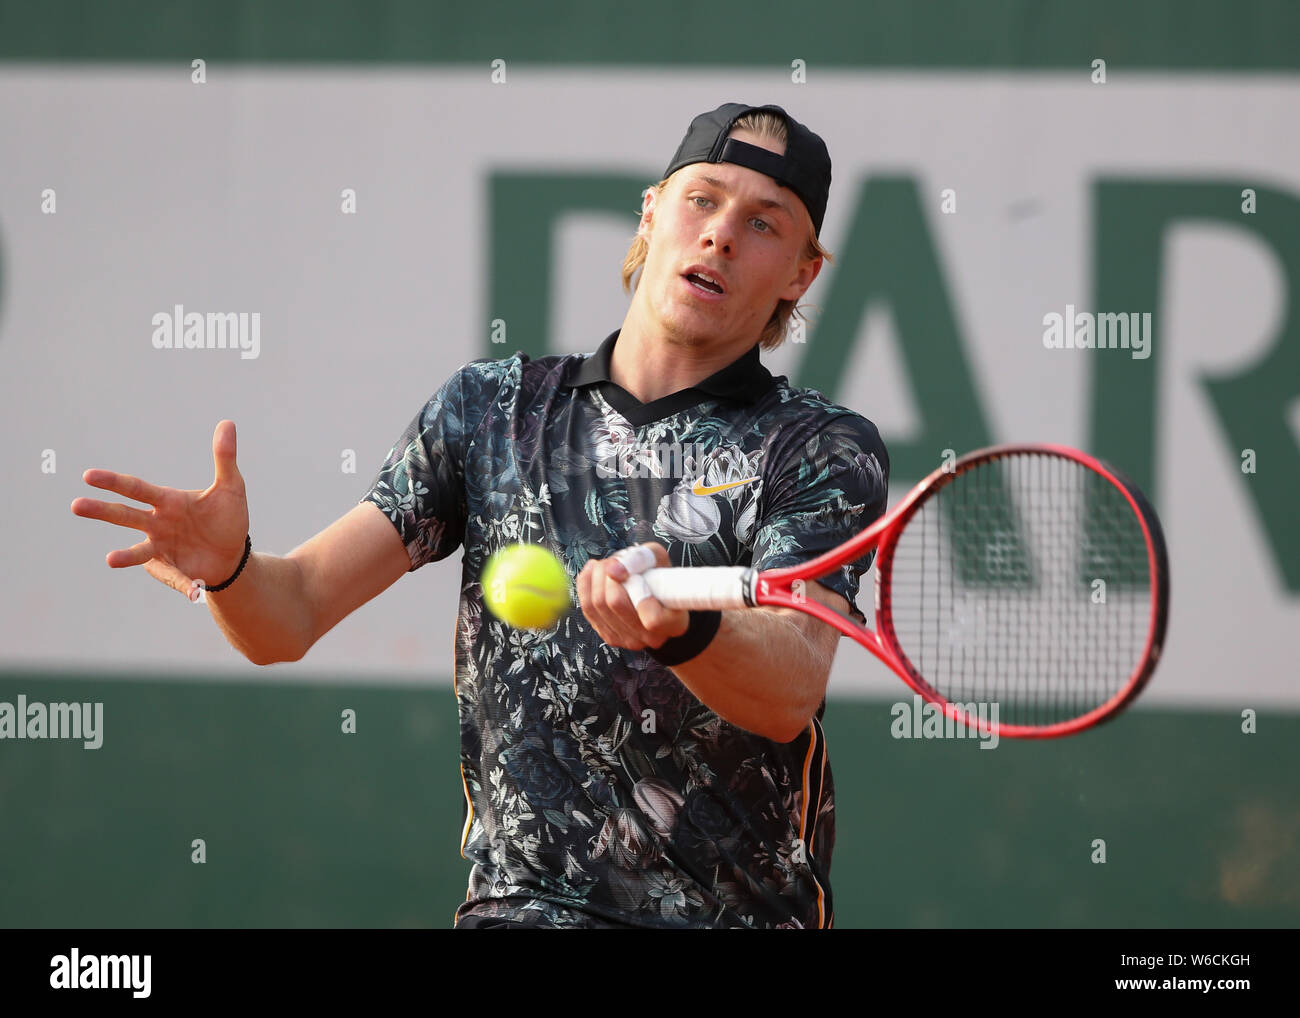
607, 606
169, 575
636, 559
223, 452
659, 621
112, 512
162, 571
137, 554
125, 484
628, 616
611, 610
640, 557
637, 588
662, 560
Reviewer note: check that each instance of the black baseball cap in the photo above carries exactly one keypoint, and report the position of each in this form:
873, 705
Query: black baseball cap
805, 168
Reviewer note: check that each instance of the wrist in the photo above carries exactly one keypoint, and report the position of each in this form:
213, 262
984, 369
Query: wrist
233, 575
699, 634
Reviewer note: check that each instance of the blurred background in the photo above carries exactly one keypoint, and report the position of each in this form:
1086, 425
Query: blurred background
392, 186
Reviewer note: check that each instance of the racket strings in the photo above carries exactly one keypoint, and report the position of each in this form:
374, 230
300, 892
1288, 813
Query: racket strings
1024, 583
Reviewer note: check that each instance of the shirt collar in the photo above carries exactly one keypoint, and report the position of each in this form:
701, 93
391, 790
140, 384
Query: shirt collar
744, 379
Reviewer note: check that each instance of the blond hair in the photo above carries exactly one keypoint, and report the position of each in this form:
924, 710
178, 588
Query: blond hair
769, 127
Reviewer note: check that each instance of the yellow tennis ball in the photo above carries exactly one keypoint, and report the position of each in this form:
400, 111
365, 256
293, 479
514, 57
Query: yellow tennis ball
525, 586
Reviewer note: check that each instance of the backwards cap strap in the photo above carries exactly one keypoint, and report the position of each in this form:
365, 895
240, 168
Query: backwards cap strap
755, 158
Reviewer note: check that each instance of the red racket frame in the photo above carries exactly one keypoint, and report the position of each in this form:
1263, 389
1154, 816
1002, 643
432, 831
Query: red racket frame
775, 587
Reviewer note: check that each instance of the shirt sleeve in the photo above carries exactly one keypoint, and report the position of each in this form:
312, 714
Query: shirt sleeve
828, 487
421, 485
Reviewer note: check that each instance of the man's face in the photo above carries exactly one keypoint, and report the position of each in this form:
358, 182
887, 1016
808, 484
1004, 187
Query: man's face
739, 227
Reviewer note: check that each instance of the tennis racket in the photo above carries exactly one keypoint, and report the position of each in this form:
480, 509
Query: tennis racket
1030, 576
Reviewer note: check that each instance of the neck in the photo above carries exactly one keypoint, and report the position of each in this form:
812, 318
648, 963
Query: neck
651, 364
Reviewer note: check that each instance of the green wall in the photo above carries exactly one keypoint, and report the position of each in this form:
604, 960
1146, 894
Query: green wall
308, 827
990, 34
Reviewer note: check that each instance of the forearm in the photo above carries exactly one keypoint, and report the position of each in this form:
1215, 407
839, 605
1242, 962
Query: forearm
264, 613
763, 671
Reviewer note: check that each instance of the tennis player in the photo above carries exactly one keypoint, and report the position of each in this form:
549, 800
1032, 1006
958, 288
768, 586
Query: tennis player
635, 766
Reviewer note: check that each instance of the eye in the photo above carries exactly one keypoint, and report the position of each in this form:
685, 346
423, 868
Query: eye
696, 199
766, 226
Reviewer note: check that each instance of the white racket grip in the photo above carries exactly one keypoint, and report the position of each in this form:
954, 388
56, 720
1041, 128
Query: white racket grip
701, 587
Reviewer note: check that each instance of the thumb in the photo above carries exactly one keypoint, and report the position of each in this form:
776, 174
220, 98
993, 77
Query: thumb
168, 575
223, 453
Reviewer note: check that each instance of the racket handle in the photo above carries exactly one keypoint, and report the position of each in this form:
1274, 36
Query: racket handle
700, 587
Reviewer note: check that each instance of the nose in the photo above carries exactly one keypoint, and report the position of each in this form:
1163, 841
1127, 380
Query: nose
720, 232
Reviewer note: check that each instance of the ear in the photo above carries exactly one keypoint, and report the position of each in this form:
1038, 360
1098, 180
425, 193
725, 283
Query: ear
648, 198
807, 271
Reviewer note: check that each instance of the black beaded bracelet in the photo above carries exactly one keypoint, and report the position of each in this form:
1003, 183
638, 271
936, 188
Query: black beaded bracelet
248, 550
699, 634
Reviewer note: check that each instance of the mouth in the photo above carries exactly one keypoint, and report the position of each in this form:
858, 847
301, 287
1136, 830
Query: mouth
704, 282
